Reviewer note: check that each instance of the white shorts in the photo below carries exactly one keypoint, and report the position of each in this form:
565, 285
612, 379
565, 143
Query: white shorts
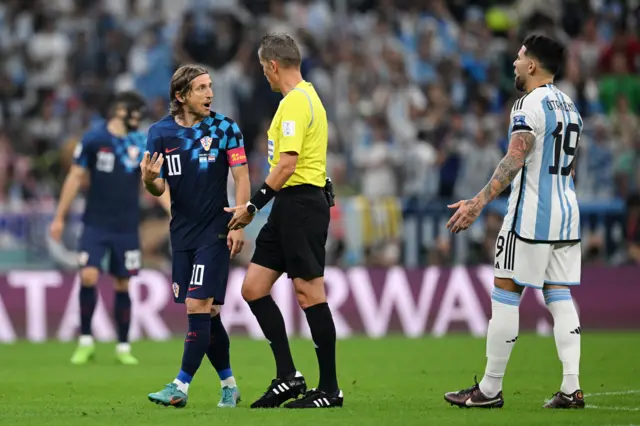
533, 265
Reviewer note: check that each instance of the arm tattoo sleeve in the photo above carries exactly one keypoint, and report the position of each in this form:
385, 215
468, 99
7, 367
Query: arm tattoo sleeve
519, 147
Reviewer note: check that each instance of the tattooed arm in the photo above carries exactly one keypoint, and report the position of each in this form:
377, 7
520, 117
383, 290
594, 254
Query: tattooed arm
520, 146
468, 211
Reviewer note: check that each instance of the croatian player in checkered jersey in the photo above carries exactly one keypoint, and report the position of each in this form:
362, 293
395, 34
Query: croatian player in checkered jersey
539, 243
200, 147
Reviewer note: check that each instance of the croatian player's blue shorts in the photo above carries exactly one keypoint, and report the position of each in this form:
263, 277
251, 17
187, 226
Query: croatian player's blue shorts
201, 273
123, 250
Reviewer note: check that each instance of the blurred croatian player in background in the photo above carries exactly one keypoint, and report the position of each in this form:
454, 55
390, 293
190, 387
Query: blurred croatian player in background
110, 153
192, 149
539, 244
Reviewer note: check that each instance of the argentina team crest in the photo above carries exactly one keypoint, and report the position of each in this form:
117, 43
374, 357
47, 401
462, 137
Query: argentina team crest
206, 142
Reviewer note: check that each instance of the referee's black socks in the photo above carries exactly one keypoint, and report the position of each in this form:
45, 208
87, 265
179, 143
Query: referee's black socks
88, 298
323, 333
272, 324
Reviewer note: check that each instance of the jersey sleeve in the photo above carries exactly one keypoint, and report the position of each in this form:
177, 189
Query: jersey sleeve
83, 152
296, 117
154, 144
525, 117
236, 155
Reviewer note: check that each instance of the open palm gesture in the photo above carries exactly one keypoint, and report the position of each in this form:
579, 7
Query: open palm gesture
151, 167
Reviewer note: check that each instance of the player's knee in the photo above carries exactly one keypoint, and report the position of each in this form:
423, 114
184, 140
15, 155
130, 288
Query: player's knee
89, 276
198, 306
121, 284
249, 294
309, 293
250, 291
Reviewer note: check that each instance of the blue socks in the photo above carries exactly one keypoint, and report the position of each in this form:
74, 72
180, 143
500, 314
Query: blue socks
218, 350
195, 346
123, 315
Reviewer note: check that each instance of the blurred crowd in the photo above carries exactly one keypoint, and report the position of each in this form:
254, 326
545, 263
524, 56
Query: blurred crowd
418, 92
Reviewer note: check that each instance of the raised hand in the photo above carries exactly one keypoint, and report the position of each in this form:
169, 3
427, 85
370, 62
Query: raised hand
151, 167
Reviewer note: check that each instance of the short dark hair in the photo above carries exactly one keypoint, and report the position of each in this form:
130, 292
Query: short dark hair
131, 100
282, 48
550, 53
181, 82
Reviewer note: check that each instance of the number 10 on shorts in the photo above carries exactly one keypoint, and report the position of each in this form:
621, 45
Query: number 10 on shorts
197, 275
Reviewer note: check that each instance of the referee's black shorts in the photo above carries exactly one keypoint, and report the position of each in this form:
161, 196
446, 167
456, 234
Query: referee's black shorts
294, 237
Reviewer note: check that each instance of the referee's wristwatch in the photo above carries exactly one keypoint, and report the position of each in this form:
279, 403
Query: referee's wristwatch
252, 209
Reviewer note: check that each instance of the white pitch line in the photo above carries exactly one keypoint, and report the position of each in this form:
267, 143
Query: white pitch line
627, 392
599, 407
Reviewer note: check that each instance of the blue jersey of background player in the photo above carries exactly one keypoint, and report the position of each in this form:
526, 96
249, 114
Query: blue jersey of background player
110, 154
192, 150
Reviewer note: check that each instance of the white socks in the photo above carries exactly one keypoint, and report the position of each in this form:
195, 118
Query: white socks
184, 387
503, 332
566, 330
229, 382
123, 348
85, 340
501, 336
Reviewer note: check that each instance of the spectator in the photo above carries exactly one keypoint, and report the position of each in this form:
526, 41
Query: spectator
633, 229
623, 45
595, 163
627, 170
480, 159
48, 50
418, 93
377, 159
151, 64
620, 82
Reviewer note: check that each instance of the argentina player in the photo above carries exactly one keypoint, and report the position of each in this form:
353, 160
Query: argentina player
192, 150
110, 153
539, 243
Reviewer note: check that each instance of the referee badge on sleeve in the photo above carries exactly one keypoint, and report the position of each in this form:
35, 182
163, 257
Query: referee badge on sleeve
289, 128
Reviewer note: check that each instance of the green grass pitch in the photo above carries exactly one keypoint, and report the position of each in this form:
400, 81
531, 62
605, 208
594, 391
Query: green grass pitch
392, 381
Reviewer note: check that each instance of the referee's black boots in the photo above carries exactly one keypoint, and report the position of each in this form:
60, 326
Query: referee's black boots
282, 390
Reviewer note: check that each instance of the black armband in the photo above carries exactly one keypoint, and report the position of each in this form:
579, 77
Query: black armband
263, 196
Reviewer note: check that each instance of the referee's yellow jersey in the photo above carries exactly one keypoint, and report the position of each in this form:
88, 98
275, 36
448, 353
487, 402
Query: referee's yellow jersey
300, 126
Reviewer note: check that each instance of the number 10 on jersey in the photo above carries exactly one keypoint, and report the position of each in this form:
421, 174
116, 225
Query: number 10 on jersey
173, 164
568, 143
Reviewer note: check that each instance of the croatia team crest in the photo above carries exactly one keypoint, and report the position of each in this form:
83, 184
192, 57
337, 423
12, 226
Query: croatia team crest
206, 142
134, 152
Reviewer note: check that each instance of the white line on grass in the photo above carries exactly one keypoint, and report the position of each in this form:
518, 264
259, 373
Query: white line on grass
586, 395
600, 407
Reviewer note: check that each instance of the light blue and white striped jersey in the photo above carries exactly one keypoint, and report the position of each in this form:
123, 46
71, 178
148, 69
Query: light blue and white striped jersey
543, 206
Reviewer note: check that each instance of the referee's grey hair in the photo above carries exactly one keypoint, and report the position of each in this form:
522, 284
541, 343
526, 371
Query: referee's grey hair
280, 47
181, 83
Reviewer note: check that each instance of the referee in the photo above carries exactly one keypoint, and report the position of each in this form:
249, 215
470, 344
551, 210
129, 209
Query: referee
295, 234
